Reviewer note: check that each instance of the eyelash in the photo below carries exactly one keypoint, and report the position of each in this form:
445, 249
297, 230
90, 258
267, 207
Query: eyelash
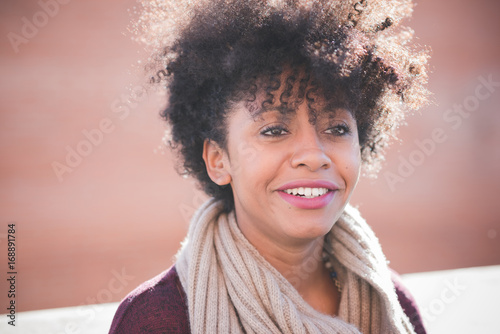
271, 128
340, 130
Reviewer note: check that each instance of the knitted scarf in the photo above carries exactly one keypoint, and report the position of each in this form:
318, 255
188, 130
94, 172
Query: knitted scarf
231, 288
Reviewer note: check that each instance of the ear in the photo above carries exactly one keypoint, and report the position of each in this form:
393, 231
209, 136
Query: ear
216, 162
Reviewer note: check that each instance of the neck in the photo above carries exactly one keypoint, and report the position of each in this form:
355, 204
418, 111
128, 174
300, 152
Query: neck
300, 263
301, 266
305, 270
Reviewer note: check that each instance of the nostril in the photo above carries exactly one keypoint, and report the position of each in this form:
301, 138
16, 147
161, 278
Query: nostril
314, 159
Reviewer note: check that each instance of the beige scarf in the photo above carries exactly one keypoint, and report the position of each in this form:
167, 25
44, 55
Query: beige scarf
231, 288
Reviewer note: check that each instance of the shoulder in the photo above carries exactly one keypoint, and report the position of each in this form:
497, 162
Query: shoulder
408, 303
156, 306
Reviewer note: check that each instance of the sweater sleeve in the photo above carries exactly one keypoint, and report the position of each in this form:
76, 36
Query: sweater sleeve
156, 306
408, 304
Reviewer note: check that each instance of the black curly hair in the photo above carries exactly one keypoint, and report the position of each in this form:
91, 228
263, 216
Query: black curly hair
217, 52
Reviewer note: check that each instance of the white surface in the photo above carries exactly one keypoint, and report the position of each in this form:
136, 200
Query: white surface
88, 319
458, 301
461, 301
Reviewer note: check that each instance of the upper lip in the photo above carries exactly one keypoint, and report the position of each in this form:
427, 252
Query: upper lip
309, 184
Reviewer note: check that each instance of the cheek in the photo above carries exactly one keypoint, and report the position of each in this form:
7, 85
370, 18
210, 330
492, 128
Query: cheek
247, 166
244, 158
349, 163
355, 165
354, 168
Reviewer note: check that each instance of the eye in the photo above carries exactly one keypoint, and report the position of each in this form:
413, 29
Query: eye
274, 131
339, 130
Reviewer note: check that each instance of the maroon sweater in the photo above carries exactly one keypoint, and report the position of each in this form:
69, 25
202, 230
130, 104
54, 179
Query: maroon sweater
160, 306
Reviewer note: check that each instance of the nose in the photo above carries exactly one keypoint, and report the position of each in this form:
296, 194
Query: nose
308, 152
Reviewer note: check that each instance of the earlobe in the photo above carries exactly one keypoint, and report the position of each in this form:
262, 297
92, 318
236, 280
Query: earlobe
215, 162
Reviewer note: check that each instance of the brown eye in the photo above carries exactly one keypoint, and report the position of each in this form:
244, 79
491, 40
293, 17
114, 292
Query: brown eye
274, 131
339, 130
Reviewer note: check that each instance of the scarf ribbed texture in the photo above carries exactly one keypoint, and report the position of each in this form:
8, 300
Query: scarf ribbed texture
231, 288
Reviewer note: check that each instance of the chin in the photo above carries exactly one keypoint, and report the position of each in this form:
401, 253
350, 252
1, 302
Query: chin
310, 231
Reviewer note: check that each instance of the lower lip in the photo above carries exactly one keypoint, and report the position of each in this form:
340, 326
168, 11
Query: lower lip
308, 203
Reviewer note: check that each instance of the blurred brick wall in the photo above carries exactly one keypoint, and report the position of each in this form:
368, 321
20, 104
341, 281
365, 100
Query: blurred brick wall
117, 218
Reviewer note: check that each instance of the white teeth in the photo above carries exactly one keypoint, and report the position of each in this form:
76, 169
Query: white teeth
307, 192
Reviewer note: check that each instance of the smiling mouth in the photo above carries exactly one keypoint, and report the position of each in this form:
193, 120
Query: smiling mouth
305, 192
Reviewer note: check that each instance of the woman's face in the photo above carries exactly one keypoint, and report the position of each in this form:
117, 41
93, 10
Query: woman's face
291, 177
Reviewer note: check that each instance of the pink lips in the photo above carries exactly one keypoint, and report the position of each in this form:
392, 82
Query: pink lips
309, 203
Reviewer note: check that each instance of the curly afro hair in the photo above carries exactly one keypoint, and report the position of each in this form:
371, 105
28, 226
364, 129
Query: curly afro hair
216, 52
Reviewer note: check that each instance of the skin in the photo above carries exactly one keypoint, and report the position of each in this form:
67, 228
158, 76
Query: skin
264, 153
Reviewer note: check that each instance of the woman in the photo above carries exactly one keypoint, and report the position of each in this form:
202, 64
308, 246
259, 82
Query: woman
274, 107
